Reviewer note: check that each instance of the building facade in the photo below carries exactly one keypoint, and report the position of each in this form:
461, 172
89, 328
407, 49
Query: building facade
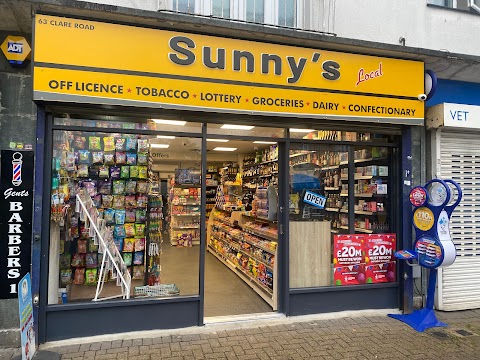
336, 115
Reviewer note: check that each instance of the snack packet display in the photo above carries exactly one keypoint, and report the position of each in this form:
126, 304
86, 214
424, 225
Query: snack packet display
138, 258
93, 170
103, 171
142, 145
131, 144
139, 244
91, 260
120, 158
94, 143
142, 158
78, 260
108, 143
91, 187
83, 156
120, 144
130, 186
70, 161
118, 187
97, 200
140, 216
142, 172
130, 201
129, 230
119, 217
79, 277
129, 245
91, 246
118, 201
127, 258
115, 172
66, 276
107, 201
97, 157
142, 187
91, 277
130, 216
134, 171
142, 201
109, 158
118, 243
81, 246
79, 142
131, 159
119, 231
138, 272
125, 172
65, 260
139, 229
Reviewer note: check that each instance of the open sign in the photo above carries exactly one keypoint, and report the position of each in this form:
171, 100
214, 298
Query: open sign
314, 199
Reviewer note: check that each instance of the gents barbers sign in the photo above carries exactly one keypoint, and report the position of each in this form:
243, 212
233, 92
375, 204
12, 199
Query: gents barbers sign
16, 202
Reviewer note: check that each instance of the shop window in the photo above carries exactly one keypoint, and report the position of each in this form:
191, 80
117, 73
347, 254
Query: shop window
221, 8
114, 230
255, 11
185, 6
231, 127
341, 213
287, 13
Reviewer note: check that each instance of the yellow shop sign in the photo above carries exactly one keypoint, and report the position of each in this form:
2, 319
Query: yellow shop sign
123, 65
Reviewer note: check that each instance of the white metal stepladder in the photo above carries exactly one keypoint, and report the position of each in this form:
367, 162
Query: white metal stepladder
102, 236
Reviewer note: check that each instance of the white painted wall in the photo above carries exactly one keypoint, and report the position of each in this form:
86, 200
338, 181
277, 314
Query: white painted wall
383, 21
422, 26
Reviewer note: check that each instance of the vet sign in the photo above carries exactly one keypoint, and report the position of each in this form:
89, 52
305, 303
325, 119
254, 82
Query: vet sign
314, 199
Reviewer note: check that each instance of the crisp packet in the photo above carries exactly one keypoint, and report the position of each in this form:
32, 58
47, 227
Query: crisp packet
142, 145
131, 144
118, 201
79, 142
125, 172
127, 258
118, 187
119, 217
119, 231
130, 186
134, 171
115, 172
82, 246
91, 260
131, 159
103, 171
130, 201
129, 230
139, 244
107, 201
83, 156
138, 272
109, 158
120, 158
94, 143
108, 143
118, 243
129, 245
142, 187
119, 144
142, 158
79, 277
140, 229
142, 201
142, 172
91, 277
138, 258
66, 276
130, 216
140, 216
97, 157
78, 260
109, 214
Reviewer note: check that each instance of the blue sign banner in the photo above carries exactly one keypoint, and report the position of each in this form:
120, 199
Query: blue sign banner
25, 310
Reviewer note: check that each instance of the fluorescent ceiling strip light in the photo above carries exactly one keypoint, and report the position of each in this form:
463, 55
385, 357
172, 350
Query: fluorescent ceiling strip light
301, 130
237, 127
169, 122
165, 137
159, 146
218, 140
265, 142
225, 149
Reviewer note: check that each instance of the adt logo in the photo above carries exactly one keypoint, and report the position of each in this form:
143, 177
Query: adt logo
15, 47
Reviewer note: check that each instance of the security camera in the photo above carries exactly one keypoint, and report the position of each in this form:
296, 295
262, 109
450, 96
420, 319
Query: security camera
422, 97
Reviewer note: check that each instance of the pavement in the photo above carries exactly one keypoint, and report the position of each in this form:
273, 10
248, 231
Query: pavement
358, 335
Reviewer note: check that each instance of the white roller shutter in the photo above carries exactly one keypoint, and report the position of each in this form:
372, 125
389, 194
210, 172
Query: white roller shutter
459, 160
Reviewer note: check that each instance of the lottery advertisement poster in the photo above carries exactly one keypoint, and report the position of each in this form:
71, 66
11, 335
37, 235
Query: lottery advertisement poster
379, 259
348, 260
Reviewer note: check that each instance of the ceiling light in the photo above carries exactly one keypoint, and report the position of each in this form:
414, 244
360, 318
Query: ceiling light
159, 146
265, 142
165, 137
225, 149
301, 130
237, 127
169, 122
218, 140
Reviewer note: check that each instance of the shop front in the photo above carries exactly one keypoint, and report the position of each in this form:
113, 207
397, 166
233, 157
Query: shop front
193, 178
453, 154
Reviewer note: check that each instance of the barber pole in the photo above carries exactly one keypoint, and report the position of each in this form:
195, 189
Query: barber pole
17, 169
